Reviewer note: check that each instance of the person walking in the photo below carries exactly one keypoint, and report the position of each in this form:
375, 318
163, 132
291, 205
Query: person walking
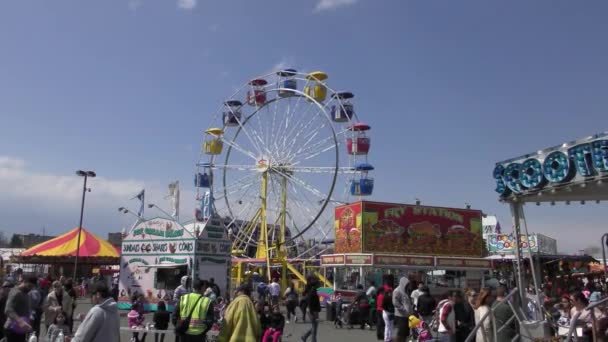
69, 289
18, 311
214, 287
416, 294
291, 302
56, 301
102, 322
161, 320
372, 295
59, 325
403, 309
277, 324
36, 301
241, 323
361, 303
136, 316
314, 307
426, 305
388, 314
447, 319
4, 291
200, 310
483, 308
274, 289
464, 311
380, 294
182, 289
502, 315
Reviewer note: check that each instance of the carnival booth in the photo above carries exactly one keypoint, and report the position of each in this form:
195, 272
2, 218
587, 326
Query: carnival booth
441, 247
157, 253
56, 256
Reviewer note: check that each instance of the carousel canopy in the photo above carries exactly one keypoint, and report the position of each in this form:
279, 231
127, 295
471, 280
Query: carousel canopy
64, 246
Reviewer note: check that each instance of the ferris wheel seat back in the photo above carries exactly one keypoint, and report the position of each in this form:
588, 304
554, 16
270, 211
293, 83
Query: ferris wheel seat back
342, 113
287, 83
213, 142
317, 91
358, 145
231, 119
362, 187
256, 96
202, 180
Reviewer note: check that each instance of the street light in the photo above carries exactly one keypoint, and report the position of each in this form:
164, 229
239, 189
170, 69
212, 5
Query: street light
604, 243
127, 211
86, 175
152, 205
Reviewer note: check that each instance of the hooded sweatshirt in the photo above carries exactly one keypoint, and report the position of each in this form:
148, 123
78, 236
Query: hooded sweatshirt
401, 300
102, 324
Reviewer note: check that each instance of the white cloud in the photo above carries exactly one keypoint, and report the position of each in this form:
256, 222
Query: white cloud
30, 200
186, 4
326, 5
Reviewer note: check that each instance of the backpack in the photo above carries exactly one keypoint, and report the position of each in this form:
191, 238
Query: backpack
387, 302
437, 315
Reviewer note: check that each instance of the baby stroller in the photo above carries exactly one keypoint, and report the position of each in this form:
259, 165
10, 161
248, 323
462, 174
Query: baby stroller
344, 314
421, 331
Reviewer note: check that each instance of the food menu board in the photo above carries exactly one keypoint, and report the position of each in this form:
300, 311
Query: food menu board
348, 228
415, 229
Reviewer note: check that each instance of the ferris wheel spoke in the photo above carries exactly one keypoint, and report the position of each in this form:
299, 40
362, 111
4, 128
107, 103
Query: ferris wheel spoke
290, 141
319, 145
322, 169
303, 118
239, 148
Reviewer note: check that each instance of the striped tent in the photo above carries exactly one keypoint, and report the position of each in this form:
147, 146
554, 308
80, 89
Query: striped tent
93, 250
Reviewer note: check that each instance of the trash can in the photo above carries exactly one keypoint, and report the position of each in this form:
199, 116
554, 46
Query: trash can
330, 311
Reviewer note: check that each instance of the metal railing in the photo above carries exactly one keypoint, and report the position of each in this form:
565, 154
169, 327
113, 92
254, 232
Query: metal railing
513, 295
591, 307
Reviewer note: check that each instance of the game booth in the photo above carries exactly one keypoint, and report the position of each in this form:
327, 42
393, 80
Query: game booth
440, 247
157, 253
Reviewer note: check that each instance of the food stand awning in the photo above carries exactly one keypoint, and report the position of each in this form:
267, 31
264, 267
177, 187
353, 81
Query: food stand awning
62, 248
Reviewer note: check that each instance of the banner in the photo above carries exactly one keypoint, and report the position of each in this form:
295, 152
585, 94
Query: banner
415, 229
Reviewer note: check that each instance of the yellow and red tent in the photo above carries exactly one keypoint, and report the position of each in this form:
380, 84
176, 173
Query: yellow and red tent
92, 248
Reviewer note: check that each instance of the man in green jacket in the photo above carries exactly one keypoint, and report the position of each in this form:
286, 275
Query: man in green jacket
502, 315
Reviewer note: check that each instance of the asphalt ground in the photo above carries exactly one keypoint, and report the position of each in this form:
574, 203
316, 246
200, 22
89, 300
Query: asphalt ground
292, 332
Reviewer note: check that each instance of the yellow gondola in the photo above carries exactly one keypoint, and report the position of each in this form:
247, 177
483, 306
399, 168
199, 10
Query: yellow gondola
213, 144
317, 89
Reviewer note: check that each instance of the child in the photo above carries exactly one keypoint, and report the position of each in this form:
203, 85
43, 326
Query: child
59, 324
277, 323
136, 317
161, 320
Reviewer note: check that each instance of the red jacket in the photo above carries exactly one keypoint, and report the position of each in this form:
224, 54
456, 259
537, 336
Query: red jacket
380, 297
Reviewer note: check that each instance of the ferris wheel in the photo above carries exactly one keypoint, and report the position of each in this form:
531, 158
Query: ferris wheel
280, 153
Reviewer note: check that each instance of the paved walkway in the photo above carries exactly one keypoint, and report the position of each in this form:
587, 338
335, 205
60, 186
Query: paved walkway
293, 331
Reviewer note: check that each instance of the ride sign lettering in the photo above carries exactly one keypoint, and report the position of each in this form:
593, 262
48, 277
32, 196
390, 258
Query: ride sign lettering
560, 165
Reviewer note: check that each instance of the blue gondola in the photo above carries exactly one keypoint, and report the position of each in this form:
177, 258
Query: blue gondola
287, 82
362, 187
364, 167
202, 180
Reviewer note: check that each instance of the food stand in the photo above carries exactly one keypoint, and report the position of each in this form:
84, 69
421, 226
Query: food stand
158, 252
441, 247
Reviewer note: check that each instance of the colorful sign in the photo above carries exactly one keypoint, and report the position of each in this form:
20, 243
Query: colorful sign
403, 260
505, 243
414, 229
554, 168
348, 228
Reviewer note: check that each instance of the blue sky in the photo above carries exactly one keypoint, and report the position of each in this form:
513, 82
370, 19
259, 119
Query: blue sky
127, 87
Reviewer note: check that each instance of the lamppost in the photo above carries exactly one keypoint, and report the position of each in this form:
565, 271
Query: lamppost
152, 205
127, 211
86, 175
